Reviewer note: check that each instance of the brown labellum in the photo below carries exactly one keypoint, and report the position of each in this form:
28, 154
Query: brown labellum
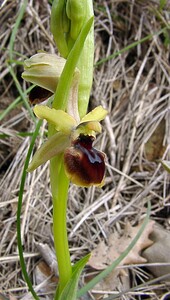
38, 95
85, 165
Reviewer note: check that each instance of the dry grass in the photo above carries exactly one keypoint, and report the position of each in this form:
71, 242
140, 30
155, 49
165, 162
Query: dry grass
135, 88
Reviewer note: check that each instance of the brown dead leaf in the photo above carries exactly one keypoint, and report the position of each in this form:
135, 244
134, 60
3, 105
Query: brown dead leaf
121, 105
117, 85
104, 255
144, 242
116, 280
154, 148
45, 270
44, 274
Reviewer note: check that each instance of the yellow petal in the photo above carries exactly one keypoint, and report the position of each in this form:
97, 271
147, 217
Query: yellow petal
53, 146
97, 114
88, 128
60, 119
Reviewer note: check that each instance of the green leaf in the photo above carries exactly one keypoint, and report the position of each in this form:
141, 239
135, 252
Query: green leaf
132, 45
70, 290
13, 39
20, 199
22, 94
166, 165
162, 4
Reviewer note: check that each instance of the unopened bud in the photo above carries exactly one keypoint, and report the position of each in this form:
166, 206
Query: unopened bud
44, 70
76, 12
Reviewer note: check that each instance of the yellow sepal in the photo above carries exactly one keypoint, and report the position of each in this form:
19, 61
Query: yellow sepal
61, 120
54, 145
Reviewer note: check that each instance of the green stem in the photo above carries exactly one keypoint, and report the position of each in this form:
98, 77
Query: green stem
15, 29
22, 94
132, 45
14, 104
20, 198
59, 181
59, 186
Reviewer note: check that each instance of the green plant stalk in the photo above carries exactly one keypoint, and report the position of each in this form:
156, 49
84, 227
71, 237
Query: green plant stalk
131, 46
16, 26
59, 181
14, 104
85, 63
22, 94
70, 291
59, 187
21, 192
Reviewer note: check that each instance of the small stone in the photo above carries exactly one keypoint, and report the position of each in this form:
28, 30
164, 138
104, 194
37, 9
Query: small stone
159, 251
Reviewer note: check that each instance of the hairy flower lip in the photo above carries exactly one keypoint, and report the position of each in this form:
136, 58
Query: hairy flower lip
84, 165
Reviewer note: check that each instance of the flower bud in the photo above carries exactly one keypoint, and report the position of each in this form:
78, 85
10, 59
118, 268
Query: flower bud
84, 165
59, 26
44, 70
76, 12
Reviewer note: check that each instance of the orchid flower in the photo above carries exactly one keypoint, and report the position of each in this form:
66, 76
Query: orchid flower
84, 165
